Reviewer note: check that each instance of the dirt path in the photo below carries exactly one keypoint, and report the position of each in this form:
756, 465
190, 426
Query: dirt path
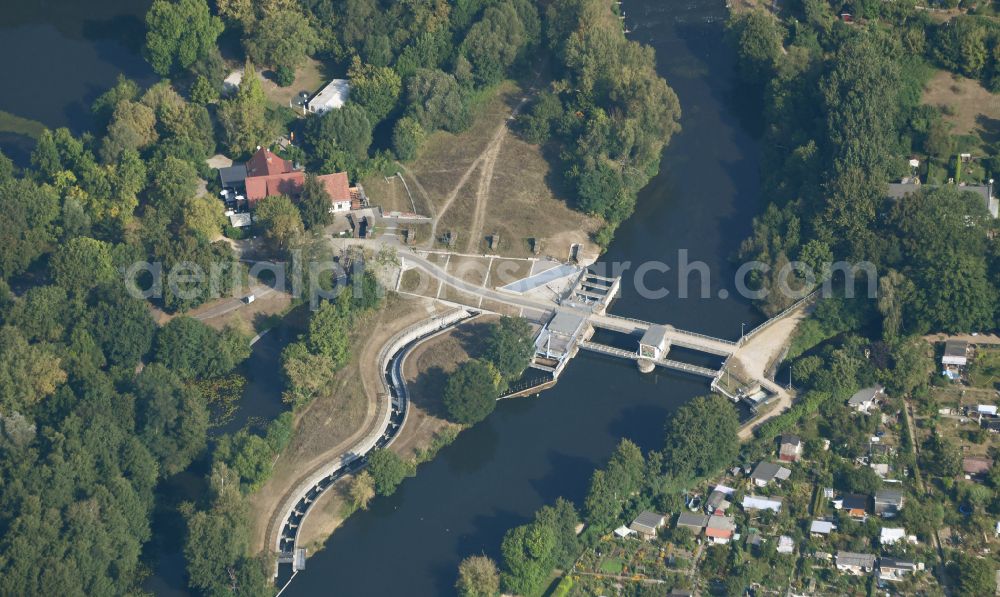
919, 479
497, 137
483, 192
757, 356
420, 189
980, 339
487, 159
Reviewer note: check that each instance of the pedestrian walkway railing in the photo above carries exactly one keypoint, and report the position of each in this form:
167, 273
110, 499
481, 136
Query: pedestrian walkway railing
705, 371
812, 296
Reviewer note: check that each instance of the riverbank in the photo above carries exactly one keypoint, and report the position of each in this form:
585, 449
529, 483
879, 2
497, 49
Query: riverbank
424, 369
335, 421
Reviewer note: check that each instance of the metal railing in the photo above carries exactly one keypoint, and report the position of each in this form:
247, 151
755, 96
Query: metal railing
704, 347
632, 319
674, 330
611, 350
705, 337
525, 385
806, 299
704, 371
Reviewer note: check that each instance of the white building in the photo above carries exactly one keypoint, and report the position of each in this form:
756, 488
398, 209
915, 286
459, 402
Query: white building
785, 544
821, 527
239, 220
891, 536
863, 400
331, 97
756, 502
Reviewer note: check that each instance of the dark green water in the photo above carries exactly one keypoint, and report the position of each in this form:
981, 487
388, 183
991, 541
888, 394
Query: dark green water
532, 450
61, 55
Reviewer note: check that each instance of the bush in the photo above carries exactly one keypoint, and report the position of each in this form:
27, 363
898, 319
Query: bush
284, 76
407, 137
233, 233
388, 470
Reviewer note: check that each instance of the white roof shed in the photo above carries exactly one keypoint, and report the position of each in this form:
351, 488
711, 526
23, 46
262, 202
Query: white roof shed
331, 97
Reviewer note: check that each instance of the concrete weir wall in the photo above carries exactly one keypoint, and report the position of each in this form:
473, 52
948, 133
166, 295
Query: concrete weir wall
396, 396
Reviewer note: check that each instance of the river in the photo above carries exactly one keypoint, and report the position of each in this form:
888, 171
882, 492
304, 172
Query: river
532, 450
64, 54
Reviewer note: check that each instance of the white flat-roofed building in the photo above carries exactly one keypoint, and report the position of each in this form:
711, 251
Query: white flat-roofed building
821, 527
331, 97
756, 502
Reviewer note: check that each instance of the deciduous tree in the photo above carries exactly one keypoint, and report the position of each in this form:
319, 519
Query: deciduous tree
437, 101
510, 346
362, 490
701, 437
279, 221
388, 470
171, 417
178, 34
282, 38
471, 392
375, 88
27, 218
478, 577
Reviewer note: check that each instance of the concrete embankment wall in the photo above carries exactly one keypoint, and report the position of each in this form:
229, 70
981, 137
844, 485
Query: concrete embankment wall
388, 352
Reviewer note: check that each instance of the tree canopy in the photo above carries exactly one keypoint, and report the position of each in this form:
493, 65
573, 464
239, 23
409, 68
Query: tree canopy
701, 437
471, 392
179, 34
509, 347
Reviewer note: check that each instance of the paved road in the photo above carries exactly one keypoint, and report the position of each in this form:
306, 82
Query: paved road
227, 305
438, 273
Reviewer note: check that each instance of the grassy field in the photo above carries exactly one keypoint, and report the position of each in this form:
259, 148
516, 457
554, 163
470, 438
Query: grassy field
486, 181
309, 78
985, 369
392, 195
968, 107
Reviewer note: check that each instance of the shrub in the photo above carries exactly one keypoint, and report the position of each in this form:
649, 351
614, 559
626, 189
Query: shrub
284, 76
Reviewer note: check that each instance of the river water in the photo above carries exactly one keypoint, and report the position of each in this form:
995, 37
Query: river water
531, 450
61, 55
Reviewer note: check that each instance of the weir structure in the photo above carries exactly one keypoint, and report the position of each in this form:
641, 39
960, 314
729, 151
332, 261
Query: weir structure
582, 312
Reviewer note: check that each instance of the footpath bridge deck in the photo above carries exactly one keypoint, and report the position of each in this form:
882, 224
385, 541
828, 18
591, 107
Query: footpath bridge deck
682, 338
667, 363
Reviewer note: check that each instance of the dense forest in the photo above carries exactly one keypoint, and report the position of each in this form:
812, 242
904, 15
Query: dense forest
842, 115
